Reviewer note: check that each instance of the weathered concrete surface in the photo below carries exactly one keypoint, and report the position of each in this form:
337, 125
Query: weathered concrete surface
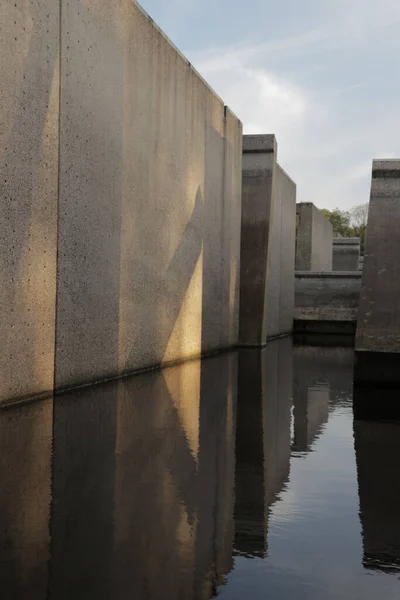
313, 239
346, 254
29, 84
259, 171
150, 185
378, 325
327, 296
281, 259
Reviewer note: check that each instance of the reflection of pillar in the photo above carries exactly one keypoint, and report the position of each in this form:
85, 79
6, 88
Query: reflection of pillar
377, 447
82, 512
262, 440
25, 475
311, 405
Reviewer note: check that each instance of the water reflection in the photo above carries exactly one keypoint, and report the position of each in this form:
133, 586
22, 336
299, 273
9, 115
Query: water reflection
234, 475
377, 447
262, 441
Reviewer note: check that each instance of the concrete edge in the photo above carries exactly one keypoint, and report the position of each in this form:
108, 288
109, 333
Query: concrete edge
260, 143
328, 275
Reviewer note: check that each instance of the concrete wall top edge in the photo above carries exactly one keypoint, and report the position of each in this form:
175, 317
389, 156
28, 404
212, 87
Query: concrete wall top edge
391, 163
260, 143
328, 275
353, 241
189, 64
286, 175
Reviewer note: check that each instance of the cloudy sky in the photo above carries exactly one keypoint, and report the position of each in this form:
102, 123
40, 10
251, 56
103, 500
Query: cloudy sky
323, 75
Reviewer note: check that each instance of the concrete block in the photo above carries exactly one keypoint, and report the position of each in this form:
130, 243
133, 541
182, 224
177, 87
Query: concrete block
150, 200
313, 239
346, 254
378, 324
259, 170
286, 193
327, 296
29, 67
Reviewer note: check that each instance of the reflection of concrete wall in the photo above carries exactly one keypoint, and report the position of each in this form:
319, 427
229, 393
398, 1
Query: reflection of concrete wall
378, 324
311, 404
25, 475
346, 254
28, 194
377, 447
149, 205
314, 239
262, 440
143, 484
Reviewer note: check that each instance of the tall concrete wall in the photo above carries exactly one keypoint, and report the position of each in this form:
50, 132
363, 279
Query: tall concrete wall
346, 254
29, 114
314, 238
280, 279
267, 244
378, 324
142, 245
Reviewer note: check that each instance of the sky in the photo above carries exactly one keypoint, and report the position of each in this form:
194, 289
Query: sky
322, 75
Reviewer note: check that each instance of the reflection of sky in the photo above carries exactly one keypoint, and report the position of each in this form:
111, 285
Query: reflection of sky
314, 538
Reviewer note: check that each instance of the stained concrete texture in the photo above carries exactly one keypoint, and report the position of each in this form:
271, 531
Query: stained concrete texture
314, 238
346, 254
267, 244
327, 296
378, 325
29, 84
150, 200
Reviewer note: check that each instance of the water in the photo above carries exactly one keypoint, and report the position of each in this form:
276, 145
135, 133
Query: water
242, 476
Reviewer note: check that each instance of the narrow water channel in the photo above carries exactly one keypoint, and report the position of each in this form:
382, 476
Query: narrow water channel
242, 475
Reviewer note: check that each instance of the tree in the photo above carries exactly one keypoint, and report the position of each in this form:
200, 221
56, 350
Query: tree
341, 221
359, 221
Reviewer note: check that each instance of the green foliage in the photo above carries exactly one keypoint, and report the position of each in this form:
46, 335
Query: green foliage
349, 224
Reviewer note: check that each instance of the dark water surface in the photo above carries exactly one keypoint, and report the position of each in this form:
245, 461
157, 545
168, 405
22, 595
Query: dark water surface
242, 475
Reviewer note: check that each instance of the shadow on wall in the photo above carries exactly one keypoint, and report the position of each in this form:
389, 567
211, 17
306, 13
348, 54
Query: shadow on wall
149, 223
140, 476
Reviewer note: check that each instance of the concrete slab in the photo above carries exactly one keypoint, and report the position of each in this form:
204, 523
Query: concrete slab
313, 239
378, 324
346, 254
29, 103
150, 182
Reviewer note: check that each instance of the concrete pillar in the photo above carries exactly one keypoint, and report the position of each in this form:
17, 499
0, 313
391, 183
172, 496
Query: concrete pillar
314, 237
378, 324
346, 254
259, 169
267, 244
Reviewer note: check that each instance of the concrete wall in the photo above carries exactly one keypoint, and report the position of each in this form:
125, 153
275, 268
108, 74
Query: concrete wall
259, 170
327, 296
378, 325
143, 250
267, 244
29, 113
346, 254
280, 279
313, 239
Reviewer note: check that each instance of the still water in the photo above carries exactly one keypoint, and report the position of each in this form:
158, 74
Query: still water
242, 475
